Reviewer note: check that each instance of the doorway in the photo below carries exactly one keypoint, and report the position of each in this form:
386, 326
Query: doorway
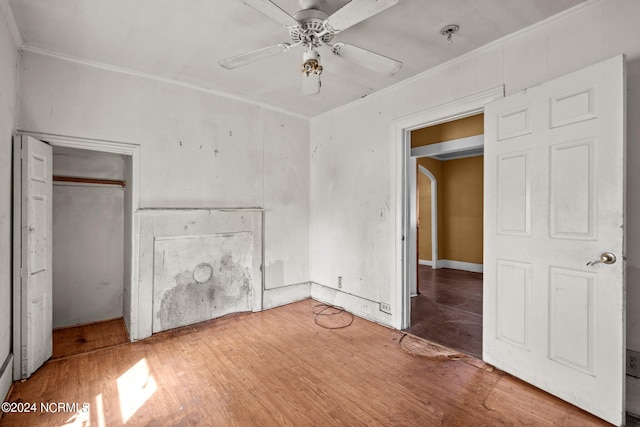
447, 305
406, 249
448, 309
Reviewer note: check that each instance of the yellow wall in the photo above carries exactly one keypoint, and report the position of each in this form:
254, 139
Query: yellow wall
469, 126
462, 209
424, 218
460, 195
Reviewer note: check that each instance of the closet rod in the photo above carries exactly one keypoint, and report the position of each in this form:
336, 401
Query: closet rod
89, 180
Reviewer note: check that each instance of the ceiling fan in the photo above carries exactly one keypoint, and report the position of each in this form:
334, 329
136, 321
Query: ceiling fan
312, 28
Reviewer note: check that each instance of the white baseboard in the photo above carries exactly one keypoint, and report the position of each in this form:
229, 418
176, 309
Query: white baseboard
456, 265
6, 377
284, 295
360, 306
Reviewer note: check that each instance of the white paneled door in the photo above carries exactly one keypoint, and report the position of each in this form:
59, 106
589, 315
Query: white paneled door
554, 312
33, 242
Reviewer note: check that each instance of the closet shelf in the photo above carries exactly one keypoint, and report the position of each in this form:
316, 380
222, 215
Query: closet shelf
59, 178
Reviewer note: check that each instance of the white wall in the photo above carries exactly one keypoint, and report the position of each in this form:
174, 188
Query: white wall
353, 162
352, 207
88, 247
88, 254
198, 149
8, 67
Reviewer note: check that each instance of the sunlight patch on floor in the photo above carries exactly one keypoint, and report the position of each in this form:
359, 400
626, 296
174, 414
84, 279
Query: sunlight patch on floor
135, 387
100, 410
81, 418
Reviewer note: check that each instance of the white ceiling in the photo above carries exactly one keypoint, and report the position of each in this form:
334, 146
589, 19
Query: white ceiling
185, 39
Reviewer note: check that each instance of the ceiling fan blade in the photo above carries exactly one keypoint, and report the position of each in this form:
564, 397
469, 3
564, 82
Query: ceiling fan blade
355, 11
271, 10
249, 57
366, 58
310, 84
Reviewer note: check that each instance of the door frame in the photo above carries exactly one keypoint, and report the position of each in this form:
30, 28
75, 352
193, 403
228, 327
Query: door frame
434, 218
405, 184
113, 147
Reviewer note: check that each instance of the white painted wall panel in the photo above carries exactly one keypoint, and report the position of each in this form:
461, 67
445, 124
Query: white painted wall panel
201, 277
229, 240
57, 97
352, 224
8, 66
212, 155
286, 201
197, 149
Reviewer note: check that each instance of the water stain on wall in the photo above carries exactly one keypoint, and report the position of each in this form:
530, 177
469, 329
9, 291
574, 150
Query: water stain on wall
189, 301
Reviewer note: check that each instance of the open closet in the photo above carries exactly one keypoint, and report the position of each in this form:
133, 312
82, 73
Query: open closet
89, 193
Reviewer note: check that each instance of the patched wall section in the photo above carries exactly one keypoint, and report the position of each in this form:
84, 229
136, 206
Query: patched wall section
195, 265
197, 278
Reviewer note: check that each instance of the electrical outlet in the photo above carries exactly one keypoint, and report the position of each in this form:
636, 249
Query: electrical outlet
385, 307
633, 363
339, 282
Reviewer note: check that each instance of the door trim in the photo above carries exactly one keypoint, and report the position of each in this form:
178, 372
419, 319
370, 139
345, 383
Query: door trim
434, 218
405, 177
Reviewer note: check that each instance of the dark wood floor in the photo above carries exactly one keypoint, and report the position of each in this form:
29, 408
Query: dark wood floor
278, 367
448, 310
84, 338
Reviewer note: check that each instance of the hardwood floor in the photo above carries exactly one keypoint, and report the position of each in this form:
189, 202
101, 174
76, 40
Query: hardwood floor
448, 310
278, 367
85, 338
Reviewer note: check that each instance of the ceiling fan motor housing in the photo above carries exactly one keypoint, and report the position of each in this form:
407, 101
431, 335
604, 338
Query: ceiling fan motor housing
311, 23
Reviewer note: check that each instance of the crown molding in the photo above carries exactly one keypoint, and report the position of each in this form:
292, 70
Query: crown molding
11, 22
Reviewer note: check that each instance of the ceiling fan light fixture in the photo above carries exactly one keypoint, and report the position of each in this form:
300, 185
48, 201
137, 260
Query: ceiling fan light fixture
311, 64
